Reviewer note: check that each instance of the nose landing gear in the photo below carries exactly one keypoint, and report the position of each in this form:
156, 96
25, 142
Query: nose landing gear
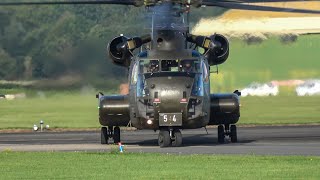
110, 132
171, 137
177, 138
227, 130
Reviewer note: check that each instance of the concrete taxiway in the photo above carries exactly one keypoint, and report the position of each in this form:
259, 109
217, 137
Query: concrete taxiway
266, 140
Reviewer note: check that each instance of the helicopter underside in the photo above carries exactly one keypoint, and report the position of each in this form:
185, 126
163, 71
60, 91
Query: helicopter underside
191, 113
196, 113
172, 120
114, 111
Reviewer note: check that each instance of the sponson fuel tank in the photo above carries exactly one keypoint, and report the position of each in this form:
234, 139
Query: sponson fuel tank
114, 110
224, 109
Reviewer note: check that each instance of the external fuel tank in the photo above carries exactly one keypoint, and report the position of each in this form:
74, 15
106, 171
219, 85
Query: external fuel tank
114, 110
224, 109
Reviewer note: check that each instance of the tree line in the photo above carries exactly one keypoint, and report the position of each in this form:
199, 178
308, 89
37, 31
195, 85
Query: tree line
39, 42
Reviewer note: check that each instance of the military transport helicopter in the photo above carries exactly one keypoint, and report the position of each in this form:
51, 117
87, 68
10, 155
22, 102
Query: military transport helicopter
169, 79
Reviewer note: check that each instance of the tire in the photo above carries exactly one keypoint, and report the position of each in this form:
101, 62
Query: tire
104, 135
221, 134
177, 139
233, 133
164, 138
116, 135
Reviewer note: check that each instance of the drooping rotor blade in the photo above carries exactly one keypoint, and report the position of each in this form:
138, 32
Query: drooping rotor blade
121, 2
266, 1
251, 7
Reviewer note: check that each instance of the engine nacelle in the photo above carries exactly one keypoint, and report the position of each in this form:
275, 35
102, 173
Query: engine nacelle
216, 47
120, 48
224, 109
218, 53
114, 110
118, 52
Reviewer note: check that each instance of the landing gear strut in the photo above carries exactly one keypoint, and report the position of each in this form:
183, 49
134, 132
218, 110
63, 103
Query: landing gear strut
116, 134
227, 130
110, 132
170, 137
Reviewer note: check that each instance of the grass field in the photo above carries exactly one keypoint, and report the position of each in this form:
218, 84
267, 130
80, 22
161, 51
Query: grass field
60, 110
73, 165
75, 110
270, 60
280, 110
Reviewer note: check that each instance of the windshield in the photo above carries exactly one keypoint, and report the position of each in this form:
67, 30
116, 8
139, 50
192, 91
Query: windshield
180, 66
149, 66
190, 66
170, 65
184, 65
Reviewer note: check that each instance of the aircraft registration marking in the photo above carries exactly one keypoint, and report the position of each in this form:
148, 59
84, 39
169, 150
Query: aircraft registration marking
170, 119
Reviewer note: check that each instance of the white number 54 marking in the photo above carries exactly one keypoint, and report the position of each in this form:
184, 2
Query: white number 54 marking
174, 118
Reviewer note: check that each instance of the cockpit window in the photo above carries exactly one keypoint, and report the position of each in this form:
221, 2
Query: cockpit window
149, 66
190, 66
205, 72
134, 76
184, 65
170, 65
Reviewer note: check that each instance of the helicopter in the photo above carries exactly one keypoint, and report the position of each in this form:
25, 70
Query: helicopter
169, 72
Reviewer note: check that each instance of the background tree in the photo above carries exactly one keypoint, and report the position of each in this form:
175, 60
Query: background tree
52, 41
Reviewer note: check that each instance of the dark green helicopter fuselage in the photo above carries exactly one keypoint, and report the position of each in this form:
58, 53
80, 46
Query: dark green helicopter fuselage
182, 96
169, 80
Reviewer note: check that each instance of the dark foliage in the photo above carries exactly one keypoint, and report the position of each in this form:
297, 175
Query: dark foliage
52, 41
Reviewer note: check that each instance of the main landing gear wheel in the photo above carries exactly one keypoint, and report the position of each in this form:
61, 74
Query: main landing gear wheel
109, 132
177, 138
233, 133
164, 139
104, 135
116, 135
221, 134
227, 130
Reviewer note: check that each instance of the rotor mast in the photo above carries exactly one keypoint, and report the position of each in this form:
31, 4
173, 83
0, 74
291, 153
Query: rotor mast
169, 26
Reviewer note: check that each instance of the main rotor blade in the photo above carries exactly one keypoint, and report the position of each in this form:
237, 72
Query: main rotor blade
251, 7
121, 2
265, 1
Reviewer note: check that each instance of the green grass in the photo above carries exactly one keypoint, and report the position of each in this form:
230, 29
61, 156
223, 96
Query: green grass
280, 110
62, 110
75, 110
270, 60
77, 165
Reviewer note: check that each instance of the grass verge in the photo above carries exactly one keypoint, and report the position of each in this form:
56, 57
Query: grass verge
268, 61
72, 165
280, 110
64, 110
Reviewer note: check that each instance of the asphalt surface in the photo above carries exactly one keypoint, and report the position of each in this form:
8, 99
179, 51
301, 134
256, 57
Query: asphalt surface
289, 140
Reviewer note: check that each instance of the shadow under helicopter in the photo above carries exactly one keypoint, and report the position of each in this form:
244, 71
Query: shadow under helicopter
192, 140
